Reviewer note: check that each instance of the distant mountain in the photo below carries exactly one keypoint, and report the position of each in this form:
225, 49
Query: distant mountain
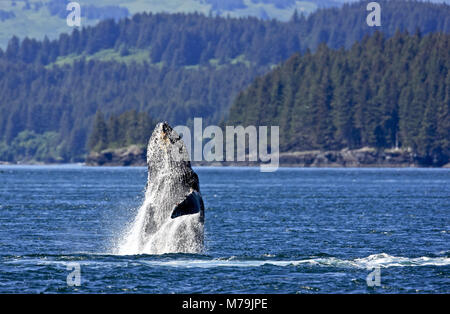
352, 1
39, 18
195, 39
171, 66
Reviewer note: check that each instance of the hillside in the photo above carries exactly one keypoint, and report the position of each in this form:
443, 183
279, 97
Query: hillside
39, 18
192, 39
381, 93
171, 66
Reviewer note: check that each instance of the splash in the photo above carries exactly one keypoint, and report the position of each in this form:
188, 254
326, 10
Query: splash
166, 239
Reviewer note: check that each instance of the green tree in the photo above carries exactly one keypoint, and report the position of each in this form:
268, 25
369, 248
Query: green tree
98, 140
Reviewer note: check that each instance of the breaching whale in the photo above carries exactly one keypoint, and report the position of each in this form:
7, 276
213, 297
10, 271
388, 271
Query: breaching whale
171, 218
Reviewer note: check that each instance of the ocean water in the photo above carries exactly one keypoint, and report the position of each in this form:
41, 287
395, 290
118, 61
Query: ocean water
290, 231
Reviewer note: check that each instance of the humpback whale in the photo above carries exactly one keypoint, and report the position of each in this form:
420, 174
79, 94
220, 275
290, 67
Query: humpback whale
172, 216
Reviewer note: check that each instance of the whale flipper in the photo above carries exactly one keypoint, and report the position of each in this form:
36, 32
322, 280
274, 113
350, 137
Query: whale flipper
192, 204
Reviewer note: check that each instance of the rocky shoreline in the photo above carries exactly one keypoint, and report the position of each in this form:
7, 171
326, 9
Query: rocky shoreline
129, 156
364, 157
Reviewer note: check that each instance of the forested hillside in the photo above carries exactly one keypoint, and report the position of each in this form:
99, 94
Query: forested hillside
173, 67
381, 93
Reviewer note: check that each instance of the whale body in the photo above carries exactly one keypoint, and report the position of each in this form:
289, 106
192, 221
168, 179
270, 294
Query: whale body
172, 216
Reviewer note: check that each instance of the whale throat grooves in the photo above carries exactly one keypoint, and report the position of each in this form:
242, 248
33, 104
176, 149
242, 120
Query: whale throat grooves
171, 219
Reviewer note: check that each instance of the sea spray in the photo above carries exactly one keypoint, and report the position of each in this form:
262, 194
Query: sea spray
136, 240
132, 241
171, 217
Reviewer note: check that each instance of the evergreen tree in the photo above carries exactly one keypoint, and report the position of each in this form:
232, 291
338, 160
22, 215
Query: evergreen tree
98, 139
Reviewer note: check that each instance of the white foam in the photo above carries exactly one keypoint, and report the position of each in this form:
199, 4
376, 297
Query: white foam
377, 260
381, 260
386, 260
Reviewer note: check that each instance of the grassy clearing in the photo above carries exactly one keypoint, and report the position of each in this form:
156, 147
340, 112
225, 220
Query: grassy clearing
135, 55
138, 56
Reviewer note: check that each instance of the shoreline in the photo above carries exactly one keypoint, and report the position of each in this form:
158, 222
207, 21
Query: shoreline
366, 157
216, 165
135, 156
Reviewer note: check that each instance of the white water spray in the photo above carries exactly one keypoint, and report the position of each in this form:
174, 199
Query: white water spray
164, 240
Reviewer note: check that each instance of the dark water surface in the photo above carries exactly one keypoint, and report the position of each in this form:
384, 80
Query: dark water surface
291, 231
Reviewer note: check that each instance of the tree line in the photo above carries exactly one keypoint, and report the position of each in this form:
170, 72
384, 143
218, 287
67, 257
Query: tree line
122, 130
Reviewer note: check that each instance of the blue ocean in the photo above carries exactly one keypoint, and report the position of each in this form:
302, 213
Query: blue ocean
289, 231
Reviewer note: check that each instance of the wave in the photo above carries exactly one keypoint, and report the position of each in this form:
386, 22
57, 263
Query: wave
381, 260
